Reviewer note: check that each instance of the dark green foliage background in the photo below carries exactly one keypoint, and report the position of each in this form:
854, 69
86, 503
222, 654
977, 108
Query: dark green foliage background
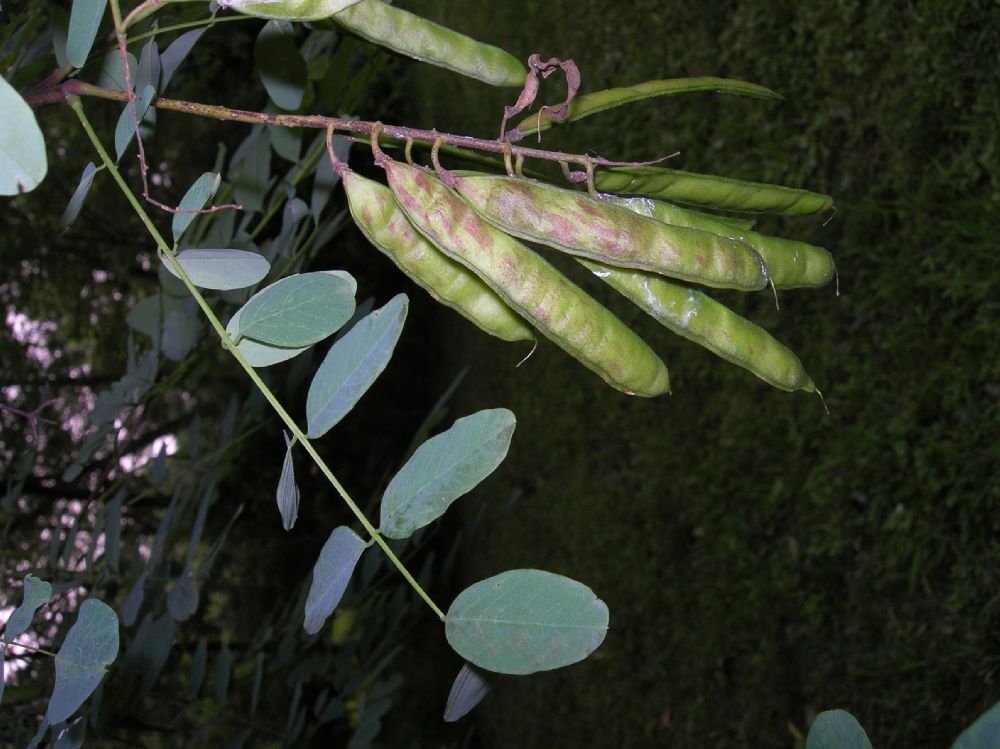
764, 561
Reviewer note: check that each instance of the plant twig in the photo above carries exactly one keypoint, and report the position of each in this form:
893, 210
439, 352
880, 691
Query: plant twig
230, 345
32, 417
62, 93
120, 26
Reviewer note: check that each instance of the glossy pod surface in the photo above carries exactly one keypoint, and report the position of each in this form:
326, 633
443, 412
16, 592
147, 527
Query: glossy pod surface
699, 318
288, 10
556, 306
790, 264
426, 41
709, 190
383, 222
573, 222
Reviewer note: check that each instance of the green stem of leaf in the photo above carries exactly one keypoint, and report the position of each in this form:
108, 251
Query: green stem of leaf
183, 27
168, 254
32, 648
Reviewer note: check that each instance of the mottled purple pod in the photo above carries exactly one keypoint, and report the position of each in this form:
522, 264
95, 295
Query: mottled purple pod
381, 220
790, 264
552, 303
573, 222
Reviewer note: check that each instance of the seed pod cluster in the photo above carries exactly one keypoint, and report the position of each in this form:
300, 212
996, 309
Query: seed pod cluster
460, 241
559, 309
790, 264
573, 222
381, 220
694, 315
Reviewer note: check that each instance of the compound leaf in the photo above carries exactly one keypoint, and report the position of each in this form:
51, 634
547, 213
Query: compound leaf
331, 574
466, 692
71, 736
111, 72
260, 354
182, 600
298, 310
353, 363
181, 333
23, 162
837, 729
193, 201
80, 194
223, 270
36, 594
125, 129
280, 65
84, 20
90, 645
112, 533
198, 662
288, 491
523, 621
174, 55
444, 468
148, 73
983, 734
223, 671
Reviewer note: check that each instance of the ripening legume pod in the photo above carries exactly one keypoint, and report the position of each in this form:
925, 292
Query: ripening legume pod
709, 190
416, 37
383, 222
790, 264
598, 101
288, 10
735, 222
528, 284
696, 316
573, 222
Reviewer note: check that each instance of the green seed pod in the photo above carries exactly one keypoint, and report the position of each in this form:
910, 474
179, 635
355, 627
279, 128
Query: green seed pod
709, 190
574, 222
288, 10
551, 302
599, 101
790, 264
413, 36
381, 220
696, 316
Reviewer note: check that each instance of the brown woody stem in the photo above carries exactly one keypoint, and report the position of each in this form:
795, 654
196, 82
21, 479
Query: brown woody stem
60, 94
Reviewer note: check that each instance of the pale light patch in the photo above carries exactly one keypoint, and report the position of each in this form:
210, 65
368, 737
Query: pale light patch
34, 333
134, 461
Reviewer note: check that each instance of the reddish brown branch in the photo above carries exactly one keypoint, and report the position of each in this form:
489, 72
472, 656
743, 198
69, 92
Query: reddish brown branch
61, 93
133, 113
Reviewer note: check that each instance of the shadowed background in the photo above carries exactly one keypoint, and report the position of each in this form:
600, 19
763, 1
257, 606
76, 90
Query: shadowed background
762, 560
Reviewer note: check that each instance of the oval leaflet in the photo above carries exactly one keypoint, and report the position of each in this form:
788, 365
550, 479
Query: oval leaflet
222, 270
523, 621
23, 162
